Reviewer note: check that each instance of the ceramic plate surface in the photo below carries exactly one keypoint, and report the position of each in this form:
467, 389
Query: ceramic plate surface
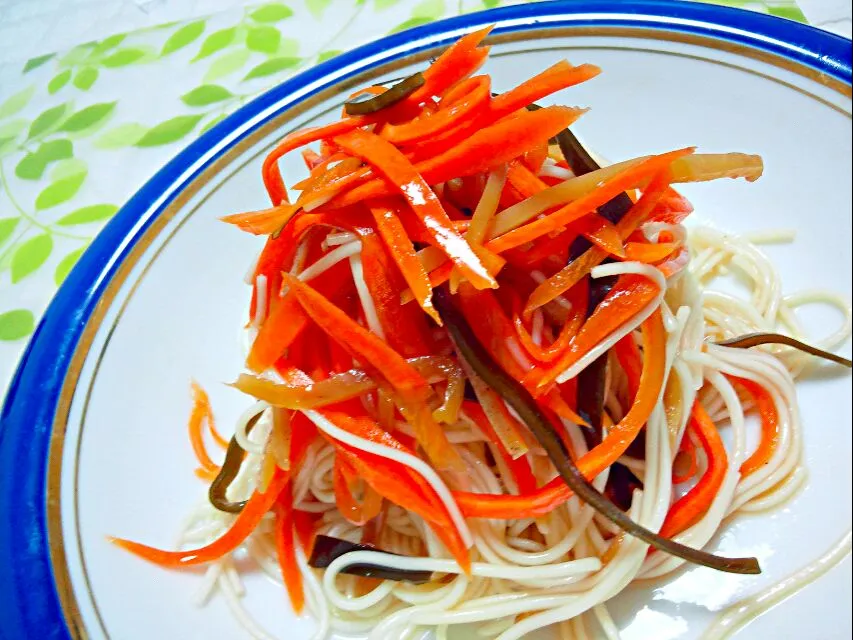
93, 439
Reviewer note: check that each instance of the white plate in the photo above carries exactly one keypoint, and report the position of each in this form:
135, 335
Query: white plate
94, 422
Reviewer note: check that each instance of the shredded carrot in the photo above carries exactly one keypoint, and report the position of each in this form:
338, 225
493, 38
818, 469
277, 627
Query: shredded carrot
403, 251
475, 97
690, 508
770, 433
286, 549
264, 222
396, 482
311, 158
628, 178
628, 297
282, 327
256, 507
604, 234
345, 478
358, 340
457, 62
384, 157
272, 174
482, 150
649, 253
202, 414
572, 273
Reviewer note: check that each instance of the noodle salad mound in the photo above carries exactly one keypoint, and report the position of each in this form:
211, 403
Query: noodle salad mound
489, 376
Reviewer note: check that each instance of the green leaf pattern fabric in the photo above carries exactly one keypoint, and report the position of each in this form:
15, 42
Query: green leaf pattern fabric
81, 130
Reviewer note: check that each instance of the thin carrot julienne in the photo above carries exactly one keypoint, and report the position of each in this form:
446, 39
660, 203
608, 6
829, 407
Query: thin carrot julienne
201, 415
689, 509
286, 549
387, 159
248, 519
770, 432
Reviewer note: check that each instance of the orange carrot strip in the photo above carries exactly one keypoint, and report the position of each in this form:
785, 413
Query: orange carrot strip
459, 60
770, 433
397, 482
535, 158
345, 477
556, 348
286, 548
403, 252
570, 275
477, 97
603, 233
478, 152
523, 179
649, 253
629, 296
206, 474
389, 161
282, 327
311, 158
690, 508
248, 519
263, 222
629, 178
201, 413
360, 342
324, 178
558, 76
271, 172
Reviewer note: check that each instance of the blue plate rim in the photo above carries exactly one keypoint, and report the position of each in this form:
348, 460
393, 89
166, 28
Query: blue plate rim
28, 413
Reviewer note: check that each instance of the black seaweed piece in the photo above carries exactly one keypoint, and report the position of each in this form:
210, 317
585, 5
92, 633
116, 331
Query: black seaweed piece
328, 549
621, 484
755, 339
592, 380
520, 399
365, 105
230, 468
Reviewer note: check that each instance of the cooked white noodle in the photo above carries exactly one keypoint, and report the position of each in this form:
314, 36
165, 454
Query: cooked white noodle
561, 568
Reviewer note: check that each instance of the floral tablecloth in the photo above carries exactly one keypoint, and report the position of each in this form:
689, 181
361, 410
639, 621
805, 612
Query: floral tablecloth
82, 129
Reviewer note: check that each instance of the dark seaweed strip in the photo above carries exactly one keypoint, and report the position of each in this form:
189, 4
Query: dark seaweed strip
519, 398
756, 339
328, 549
229, 470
